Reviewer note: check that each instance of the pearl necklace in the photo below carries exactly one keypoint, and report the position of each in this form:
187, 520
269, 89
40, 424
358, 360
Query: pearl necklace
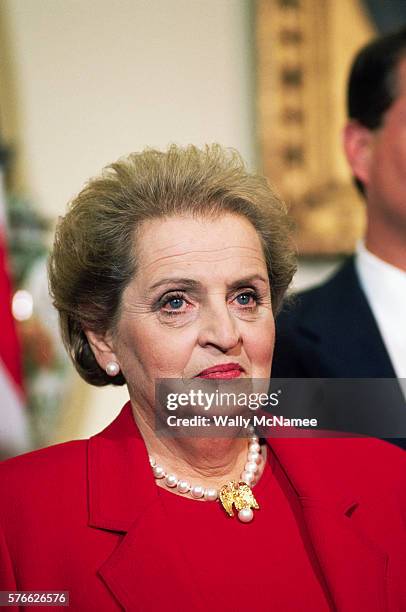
248, 477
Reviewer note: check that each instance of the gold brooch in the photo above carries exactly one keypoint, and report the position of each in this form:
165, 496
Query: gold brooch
241, 495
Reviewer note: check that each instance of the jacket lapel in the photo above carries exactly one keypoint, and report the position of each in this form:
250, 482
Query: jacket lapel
123, 497
353, 567
147, 572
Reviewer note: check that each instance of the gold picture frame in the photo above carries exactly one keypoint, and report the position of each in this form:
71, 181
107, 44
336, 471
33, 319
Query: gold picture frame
304, 51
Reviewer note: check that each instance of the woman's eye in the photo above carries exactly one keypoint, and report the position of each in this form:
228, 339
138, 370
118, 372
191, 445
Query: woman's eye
173, 304
248, 298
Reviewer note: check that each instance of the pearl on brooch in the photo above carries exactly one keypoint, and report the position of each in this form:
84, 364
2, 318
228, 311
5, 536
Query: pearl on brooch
246, 515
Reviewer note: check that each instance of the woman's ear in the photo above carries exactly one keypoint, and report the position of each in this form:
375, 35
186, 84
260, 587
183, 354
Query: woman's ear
102, 347
358, 143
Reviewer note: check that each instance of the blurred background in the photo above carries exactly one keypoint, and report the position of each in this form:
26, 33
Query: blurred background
83, 82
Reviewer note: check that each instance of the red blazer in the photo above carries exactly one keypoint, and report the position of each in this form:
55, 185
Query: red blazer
81, 517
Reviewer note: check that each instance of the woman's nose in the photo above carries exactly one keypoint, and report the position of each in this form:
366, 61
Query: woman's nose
218, 328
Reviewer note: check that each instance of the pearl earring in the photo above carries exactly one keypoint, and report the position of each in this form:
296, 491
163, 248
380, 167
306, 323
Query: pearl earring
112, 368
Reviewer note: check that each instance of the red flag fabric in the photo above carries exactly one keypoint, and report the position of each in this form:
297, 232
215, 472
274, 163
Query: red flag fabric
10, 353
14, 434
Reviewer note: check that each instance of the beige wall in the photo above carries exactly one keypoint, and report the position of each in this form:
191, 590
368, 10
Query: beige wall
86, 81
99, 78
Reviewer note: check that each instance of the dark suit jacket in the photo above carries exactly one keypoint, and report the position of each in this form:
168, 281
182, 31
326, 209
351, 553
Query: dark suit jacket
86, 517
330, 332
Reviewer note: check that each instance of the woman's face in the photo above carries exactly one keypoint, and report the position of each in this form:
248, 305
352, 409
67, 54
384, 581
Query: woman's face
200, 298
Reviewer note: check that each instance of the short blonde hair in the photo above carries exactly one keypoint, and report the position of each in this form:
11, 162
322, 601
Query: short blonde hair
94, 256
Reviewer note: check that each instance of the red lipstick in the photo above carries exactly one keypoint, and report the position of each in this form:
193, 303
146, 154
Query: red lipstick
222, 370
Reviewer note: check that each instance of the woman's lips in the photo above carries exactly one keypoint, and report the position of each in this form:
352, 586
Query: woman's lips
223, 371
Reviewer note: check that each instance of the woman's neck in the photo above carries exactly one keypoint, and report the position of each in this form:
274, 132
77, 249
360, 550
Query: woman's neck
210, 462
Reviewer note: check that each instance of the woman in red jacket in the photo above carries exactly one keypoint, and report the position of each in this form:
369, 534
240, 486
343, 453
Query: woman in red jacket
172, 266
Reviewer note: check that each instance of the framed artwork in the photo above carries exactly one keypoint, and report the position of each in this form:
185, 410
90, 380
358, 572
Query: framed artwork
304, 51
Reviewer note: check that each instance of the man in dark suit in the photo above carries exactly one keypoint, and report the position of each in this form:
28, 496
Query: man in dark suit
354, 325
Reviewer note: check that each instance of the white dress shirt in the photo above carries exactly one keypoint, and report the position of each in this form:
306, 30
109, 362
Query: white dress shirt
385, 288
